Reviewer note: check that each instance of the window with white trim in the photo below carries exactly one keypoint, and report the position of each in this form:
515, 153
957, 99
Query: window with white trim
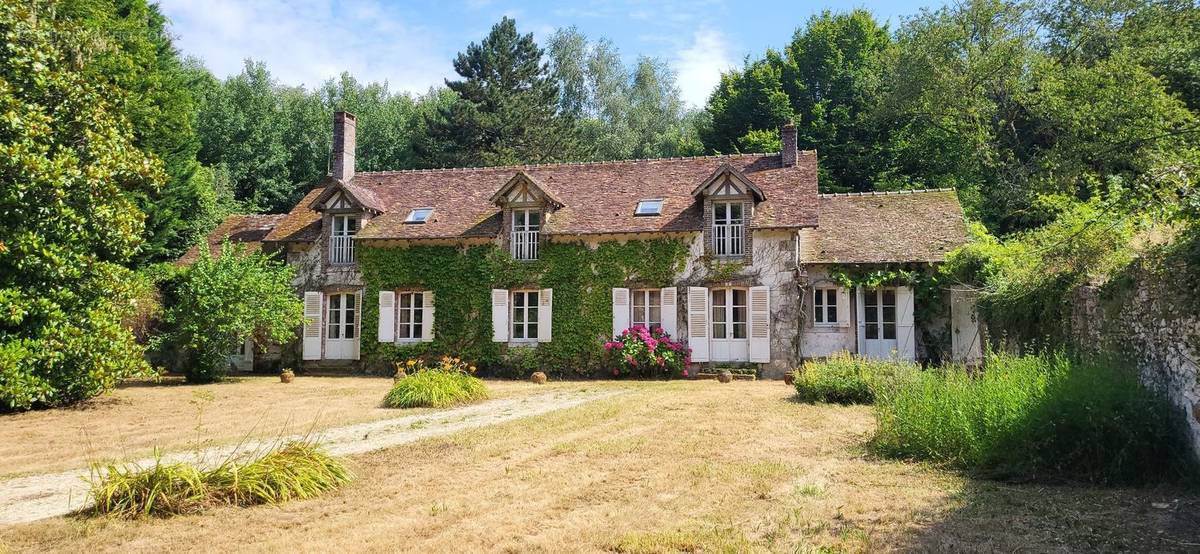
649, 207
729, 313
729, 229
410, 315
879, 313
340, 316
825, 306
526, 223
524, 315
419, 215
341, 239
647, 308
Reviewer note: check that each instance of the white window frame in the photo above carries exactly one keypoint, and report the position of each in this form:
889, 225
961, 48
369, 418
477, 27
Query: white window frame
341, 238
413, 216
346, 304
525, 309
824, 300
727, 312
875, 313
648, 207
524, 238
728, 232
649, 300
414, 313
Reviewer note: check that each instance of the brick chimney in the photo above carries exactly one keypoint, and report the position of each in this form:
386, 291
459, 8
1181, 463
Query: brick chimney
788, 152
341, 162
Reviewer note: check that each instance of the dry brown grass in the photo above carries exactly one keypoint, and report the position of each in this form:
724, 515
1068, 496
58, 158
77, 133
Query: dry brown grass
129, 422
668, 467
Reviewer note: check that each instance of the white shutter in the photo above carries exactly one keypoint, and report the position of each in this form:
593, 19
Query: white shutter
670, 311
357, 322
427, 316
313, 330
906, 336
499, 315
862, 326
545, 314
620, 315
387, 316
843, 307
698, 323
760, 324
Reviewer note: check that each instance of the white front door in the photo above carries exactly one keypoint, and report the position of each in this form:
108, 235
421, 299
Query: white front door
729, 342
341, 329
877, 322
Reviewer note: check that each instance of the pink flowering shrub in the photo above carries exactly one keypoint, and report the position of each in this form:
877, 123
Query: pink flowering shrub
642, 352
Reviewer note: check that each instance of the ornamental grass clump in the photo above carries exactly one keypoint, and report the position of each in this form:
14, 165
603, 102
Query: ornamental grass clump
844, 378
288, 470
450, 383
642, 352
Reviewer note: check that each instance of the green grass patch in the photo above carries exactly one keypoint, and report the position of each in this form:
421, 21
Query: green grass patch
1041, 417
844, 378
435, 389
289, 470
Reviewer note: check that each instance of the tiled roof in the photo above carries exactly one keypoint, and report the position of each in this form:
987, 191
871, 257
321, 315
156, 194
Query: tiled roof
598, 197
881, 227
244, 229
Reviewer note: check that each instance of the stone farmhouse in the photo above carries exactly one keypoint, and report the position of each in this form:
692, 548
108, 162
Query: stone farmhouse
762, 274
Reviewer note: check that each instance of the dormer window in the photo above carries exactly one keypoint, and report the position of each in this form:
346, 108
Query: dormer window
341, 239
419, 215
649, 207
729, 229
526, 223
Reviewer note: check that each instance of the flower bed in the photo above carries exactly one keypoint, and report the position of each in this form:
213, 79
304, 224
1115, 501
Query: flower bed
642, 352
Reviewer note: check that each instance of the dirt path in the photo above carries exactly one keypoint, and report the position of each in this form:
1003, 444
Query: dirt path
37, 497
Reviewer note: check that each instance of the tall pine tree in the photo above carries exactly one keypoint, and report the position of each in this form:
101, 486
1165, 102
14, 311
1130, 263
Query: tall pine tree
507, 111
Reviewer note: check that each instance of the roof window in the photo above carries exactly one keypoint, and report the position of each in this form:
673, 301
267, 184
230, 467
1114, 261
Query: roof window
419, 215
649, 207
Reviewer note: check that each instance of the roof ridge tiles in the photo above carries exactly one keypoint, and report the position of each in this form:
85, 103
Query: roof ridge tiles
882, 192
576, 163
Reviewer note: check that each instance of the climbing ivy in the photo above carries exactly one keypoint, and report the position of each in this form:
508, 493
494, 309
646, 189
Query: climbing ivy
930, 297
461, 279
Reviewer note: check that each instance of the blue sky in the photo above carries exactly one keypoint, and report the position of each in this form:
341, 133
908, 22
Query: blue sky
411, 44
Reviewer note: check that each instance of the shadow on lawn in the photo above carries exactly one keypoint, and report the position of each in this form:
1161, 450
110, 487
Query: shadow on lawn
989, 516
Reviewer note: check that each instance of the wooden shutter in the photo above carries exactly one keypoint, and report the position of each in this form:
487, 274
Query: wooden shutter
499, 315
357, 323
698, 323
670, 311
387, 316
906, 336
760, 324
545, 314
313, 330
620, 314
843, 307
427, 316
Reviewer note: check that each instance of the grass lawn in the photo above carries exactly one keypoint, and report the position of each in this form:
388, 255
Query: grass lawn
665, 467
129, 422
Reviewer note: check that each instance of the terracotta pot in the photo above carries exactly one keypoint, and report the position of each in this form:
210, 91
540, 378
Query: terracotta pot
286, 377
725, 376
789, 378
538, 377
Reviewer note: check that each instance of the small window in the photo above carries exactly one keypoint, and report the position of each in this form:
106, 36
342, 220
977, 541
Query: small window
524, 315
825, 308
419, 215
649, 207
411, 325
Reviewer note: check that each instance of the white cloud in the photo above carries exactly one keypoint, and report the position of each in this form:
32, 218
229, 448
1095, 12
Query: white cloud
309, 41
699, 65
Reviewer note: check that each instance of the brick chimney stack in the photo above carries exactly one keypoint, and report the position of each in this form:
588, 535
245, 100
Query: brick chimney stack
788, 153
341, 162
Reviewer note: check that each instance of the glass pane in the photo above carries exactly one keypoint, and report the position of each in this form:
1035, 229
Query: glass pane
532, 314
889, 297
518, 331
418, 300
335, 317
718, 330
654, 298
518, 299
889, 314
535, 218
889, 331
417, 316
831, 313
739, 314
872, 330
739, 330
831, 297
533, 331
335, 331
718, 298
655, 319
871, 314
405, 316
870, 297
349, 330
639, 298
351, 225
404, 331
735, 211
719, 214
335, 302
518, 315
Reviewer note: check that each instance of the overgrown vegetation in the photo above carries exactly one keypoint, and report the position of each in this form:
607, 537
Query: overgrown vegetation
1040, 417
844, 378
449, 383
287, 471
220, 301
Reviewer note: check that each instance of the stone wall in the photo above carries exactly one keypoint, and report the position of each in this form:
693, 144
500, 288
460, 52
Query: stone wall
1141, 323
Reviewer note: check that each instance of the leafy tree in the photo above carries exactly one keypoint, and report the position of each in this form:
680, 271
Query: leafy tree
508, 110
747, 100
68, 170
221, 301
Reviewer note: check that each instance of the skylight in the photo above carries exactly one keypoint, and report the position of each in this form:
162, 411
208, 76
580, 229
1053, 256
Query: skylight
649, 207
419, 215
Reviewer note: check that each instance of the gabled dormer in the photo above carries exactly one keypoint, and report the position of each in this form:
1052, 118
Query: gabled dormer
525, 204
728, 198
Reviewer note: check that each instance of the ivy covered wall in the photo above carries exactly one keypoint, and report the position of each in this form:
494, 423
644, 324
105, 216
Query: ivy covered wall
461, 279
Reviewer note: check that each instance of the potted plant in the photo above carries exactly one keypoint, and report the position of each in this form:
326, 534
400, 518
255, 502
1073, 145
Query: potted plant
287, 375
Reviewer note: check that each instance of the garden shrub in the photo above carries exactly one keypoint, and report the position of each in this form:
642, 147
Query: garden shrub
288, 470
449, 383
844, 378
642, 352
1042, 417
